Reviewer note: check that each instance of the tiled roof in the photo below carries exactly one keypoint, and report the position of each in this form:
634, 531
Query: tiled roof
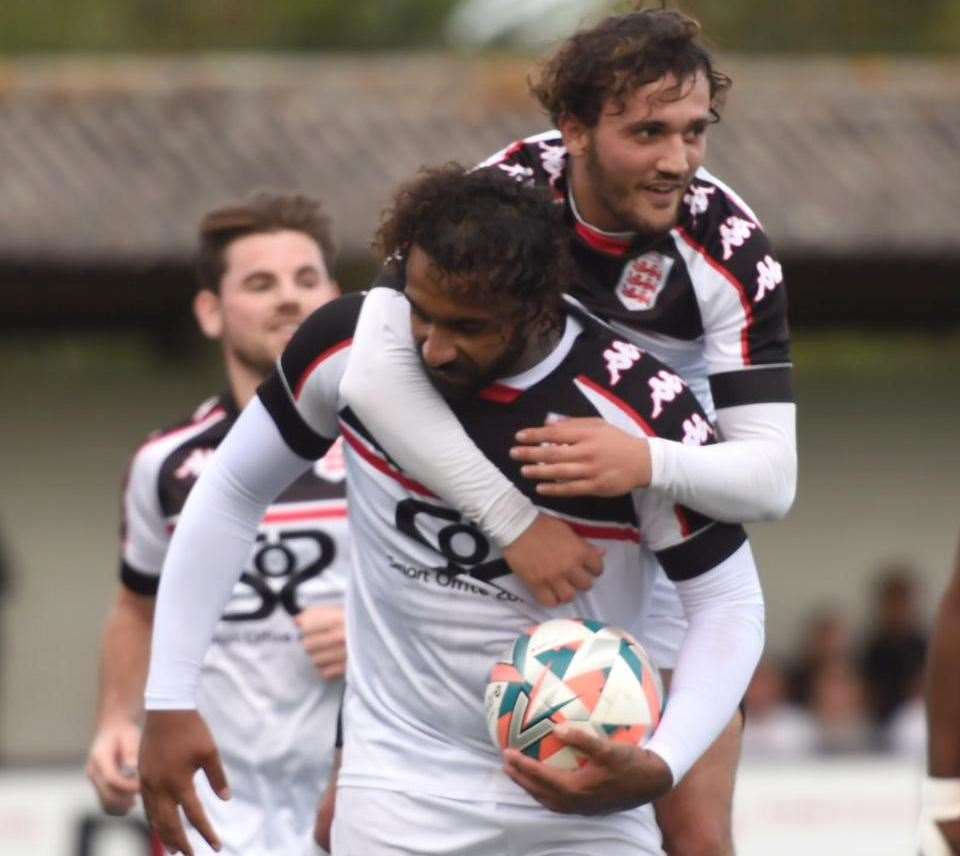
114, 161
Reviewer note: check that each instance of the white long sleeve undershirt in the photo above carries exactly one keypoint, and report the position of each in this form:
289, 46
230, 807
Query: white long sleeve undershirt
396, 401
750, 476
215, 532
724, 640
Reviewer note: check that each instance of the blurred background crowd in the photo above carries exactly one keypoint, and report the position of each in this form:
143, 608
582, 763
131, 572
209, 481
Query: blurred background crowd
845, 690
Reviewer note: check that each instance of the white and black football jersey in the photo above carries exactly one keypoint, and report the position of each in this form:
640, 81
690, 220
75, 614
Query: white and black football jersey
431, 603
707, 298
272, 715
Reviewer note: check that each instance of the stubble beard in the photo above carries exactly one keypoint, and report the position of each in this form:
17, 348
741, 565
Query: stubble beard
503, 366
615, 196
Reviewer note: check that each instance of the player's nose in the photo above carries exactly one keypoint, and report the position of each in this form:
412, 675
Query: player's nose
437, 348
673, 158
289, 294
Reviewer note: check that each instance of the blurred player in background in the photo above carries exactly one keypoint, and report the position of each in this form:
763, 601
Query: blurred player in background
939, 832
435, 603
271, 697
680, 267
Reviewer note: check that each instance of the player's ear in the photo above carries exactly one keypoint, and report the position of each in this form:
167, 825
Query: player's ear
576, 135
208, 312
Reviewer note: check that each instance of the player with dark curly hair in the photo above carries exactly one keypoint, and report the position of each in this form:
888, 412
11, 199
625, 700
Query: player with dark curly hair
432, 603
679, 266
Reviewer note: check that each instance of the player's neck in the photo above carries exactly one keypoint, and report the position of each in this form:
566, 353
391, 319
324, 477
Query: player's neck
243, 380
540, 343
589, 210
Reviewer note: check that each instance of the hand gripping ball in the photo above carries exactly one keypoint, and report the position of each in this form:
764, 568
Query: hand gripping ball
585, 673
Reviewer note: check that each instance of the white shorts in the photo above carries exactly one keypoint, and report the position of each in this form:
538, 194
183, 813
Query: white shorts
271, 823
377, 822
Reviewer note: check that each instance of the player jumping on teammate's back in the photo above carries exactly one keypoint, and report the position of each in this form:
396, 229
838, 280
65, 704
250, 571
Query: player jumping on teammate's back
436, 603
680, 267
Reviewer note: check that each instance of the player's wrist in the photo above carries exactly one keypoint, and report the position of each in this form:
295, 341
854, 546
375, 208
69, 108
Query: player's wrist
658, 452
518, 514
641, 471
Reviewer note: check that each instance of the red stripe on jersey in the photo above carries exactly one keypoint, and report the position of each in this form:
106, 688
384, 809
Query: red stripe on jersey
608, 533
603, 243
620, 404
317, 363
729, 277
511, 150
212, 417
338, 513
156, 845
380, 464
500, 393
681, 513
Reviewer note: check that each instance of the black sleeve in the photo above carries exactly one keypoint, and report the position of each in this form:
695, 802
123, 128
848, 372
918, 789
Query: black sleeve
137, 581
324, 334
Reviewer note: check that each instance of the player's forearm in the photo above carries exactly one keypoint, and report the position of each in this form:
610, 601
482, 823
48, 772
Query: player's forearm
385, 386
943, 687
124, 656
210, 546
717, 659
750, 476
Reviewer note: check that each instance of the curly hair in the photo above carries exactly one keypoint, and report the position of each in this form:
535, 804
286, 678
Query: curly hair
262, 213
500, 240
619, 55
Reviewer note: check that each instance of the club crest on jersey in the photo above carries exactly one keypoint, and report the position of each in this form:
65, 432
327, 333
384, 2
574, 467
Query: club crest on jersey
332, 466
642, 280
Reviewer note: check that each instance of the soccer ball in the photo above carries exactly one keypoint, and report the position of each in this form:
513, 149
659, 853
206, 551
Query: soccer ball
581, 672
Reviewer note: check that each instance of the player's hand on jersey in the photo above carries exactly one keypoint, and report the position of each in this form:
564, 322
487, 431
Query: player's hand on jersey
112, 765
616, 776
175, 744
325, 639
583, 457
553, 560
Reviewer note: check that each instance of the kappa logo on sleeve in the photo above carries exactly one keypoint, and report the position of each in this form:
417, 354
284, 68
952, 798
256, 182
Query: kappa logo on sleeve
697, 199
697, 431
642, 280
620, 357
552, 159
734, 232
517, 171
664, 388
194, 464
769, 276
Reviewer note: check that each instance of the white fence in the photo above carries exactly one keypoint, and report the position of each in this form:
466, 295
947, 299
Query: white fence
862, 807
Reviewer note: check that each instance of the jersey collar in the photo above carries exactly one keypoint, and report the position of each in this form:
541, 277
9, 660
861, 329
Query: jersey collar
508, 389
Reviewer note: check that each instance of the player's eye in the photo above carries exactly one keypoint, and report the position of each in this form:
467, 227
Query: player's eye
470, 328
258, 283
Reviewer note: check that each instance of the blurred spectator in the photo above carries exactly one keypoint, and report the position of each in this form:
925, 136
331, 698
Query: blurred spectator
827, 638
893, 654
838, 706
775, 728
906, 732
